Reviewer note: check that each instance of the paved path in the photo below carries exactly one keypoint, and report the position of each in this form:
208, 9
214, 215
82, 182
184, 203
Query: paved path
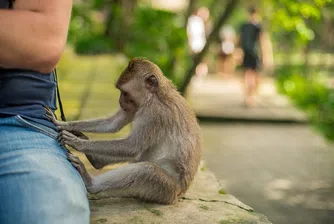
282, 170
223, 98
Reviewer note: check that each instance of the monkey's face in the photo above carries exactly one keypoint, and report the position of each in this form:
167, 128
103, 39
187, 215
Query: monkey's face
127, 102
138, 83
137, 91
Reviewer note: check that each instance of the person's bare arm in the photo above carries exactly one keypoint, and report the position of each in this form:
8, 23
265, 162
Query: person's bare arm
33, 35
266, 50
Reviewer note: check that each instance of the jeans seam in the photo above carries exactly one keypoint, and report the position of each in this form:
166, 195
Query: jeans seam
34, 127
40, 130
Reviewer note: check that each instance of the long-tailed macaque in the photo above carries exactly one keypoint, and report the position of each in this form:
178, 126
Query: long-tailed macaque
163, 147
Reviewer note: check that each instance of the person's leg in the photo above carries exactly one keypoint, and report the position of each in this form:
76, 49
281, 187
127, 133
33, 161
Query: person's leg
38, 184
250, 81
257, 80
202, 69
251, 77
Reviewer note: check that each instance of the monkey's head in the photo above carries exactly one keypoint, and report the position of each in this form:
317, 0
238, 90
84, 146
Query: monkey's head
138, 83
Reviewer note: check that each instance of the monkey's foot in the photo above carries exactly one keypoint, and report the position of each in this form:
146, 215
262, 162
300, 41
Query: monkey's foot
66, 137
79, 166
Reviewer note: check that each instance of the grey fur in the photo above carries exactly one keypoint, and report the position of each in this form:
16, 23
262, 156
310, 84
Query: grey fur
163, 148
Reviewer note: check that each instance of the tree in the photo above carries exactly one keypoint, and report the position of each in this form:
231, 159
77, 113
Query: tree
230, 7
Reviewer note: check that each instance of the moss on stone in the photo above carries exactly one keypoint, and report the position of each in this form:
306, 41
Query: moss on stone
136, 220
155, 211
100, 221
221, 191
204, 207
236, 220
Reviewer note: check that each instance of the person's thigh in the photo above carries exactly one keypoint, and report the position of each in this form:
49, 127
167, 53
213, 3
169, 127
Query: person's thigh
37, 182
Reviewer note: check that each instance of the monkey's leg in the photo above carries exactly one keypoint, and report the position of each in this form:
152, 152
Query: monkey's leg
100, 161
144, 180
76, 162
96, 161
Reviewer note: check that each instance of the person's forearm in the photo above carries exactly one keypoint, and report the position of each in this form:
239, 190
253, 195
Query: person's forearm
30, 39
24, 42
266, 50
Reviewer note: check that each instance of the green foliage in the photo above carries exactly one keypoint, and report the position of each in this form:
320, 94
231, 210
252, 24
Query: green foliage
85, 26
293, 23
94, 44
311, 95
75, 75
160, 37
157, 35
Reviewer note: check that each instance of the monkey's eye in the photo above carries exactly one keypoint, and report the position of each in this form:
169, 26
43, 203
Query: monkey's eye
125, 93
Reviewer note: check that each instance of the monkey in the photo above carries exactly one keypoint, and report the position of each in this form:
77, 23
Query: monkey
163, 149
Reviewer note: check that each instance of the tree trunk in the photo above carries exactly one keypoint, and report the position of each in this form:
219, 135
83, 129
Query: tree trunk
118, 21
190, 10
231, 5
128, 7
111, 17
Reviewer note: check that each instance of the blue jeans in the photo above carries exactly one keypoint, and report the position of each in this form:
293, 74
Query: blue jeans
37, 182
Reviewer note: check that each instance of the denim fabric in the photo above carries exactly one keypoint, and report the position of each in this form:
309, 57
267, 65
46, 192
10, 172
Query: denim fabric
37, 182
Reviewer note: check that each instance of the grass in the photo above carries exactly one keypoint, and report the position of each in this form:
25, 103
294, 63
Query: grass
93, 74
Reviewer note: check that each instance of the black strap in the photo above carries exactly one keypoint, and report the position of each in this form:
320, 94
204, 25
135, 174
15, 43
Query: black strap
62, 114
11, 3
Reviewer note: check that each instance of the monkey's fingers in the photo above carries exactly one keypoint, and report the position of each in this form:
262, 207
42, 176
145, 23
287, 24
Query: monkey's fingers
73, 158
69, 143
76, 162
49, 114
66, 135
68, 138
79, 134
60, 138
78, 167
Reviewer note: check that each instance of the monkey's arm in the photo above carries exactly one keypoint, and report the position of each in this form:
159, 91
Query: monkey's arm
107, 124
127, 148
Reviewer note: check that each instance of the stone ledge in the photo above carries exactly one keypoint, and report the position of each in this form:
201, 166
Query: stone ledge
202, 204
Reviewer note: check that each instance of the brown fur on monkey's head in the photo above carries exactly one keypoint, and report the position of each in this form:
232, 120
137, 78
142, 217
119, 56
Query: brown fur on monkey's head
143, 69
137, 68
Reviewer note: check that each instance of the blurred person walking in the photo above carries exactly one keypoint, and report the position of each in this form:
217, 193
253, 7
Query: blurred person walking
226, 61
251, 38
197, 28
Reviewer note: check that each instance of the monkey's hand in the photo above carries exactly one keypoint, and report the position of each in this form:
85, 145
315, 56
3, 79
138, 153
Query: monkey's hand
70, 139
60, 125
76, 162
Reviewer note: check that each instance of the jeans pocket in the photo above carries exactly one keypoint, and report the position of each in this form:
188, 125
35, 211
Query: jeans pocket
37, 127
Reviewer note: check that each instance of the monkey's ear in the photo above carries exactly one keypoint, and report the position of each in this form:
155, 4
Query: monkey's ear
131, 64
151, 83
